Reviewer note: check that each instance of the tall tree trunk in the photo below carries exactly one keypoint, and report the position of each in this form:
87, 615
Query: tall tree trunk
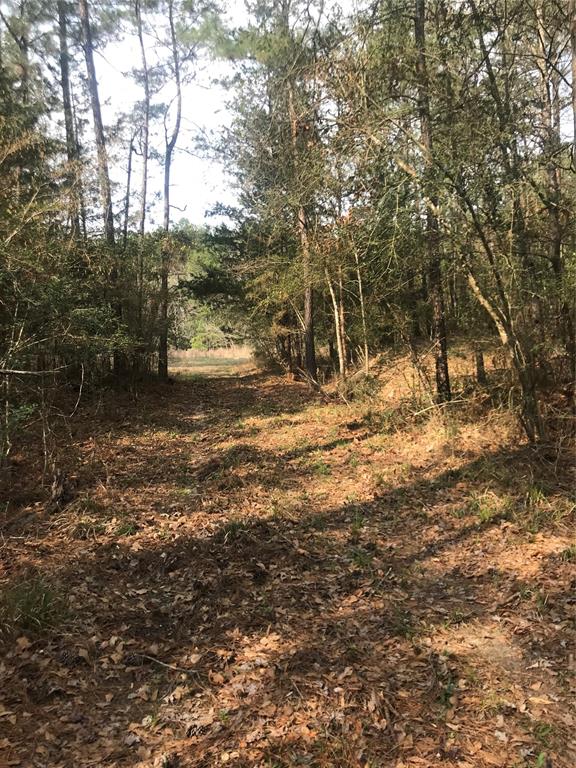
81, 197
146, 119
302, 227
102, 154
436, 292
342, 313
145, 139
127, 198
362, 309
309, 338
549, 62
337, 327
103, 173
170, 146
71, 143
572, 21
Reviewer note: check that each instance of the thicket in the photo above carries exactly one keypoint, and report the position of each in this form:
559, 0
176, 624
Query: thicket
407, 176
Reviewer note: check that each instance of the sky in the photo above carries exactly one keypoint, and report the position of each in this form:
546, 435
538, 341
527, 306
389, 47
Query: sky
198, 183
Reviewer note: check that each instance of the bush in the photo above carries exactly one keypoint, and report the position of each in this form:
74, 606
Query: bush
359, 387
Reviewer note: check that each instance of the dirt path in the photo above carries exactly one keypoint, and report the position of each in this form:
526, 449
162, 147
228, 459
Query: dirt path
247, 576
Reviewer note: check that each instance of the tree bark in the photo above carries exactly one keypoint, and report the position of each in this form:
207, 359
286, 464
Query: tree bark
481, 377
145, 140
436, 293
548, 66
170, 146
337, 327
302, 228
572, 20
81, 197
71, 142
103, 173
342, 313
127, 198
362, 310
309, 336
146, 121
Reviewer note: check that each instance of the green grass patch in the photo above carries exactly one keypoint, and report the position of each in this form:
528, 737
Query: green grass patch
543, 732
31, 606
321, 468
232, 530
126, 528
489, 507
361, 558
87, 528
568, 555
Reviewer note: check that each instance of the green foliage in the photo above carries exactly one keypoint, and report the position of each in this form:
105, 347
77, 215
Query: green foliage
30, 606
568, 555
233, 530
360, 387
489, 507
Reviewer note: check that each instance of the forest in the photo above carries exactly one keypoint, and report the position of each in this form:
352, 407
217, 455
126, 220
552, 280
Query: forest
293, 484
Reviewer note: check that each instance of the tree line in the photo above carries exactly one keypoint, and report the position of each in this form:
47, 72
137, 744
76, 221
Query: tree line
405, 173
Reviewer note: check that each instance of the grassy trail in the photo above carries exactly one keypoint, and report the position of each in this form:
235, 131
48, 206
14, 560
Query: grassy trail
248, 576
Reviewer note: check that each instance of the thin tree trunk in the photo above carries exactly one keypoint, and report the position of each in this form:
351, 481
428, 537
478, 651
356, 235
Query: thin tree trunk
342, 315
481, 377
168, 157
337, 327
145, 138
309, 337
103, 173
127, 199
81, 199
146, 122
102, 155
362, 310
572, 20
432, 230
302, 229
71, 143
553, 126
530, 412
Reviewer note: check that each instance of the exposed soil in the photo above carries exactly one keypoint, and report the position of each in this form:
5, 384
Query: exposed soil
242, 573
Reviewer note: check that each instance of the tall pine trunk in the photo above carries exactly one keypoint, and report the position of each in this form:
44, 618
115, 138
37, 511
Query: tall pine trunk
434, 265
71, 142
549, 68
337, 327
145, 139
572, 22
127, 196
103, 173
102, 155
309, 338
304, 243
170, 146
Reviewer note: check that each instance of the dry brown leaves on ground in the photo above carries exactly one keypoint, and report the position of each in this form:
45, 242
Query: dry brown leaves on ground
247, 576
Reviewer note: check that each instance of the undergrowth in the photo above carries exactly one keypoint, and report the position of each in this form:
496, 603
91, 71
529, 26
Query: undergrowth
31, 606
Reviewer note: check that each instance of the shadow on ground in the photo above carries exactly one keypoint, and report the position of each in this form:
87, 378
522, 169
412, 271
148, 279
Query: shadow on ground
325, 634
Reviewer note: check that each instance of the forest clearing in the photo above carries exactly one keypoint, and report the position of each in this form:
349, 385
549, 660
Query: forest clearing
249, 574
